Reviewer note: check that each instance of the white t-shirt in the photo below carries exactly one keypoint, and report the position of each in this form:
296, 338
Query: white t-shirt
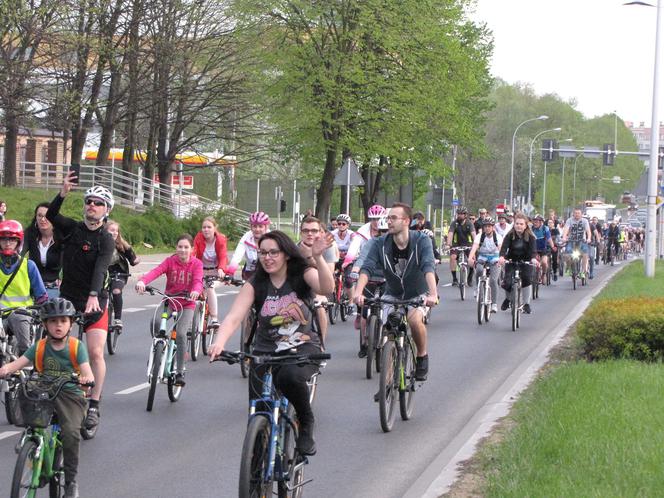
502, 231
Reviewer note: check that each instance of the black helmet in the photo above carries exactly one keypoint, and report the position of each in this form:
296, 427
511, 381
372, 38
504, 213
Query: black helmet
462, 210
56, 307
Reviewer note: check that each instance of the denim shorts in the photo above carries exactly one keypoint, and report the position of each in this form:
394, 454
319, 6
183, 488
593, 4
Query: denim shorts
583, 247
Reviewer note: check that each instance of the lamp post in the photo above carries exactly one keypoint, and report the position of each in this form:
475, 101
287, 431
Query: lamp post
562, 182
530, 162
574, 183
539, 118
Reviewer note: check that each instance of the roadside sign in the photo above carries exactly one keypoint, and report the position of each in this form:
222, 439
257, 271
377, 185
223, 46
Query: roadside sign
187, 181
348, 174
455, 202
500, 208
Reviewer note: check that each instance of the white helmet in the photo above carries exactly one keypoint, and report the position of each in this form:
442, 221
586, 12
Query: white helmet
102, 193
382, 223
427, 232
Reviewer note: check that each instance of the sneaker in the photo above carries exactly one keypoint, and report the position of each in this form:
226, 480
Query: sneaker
469, 280
555, 277
494, 308
362, 353
71, 490
505, 306
213, 323
421, 368
92, 418
117, 323
358, 322
306, 444
455, 282
179, 379
526, 309
377, 396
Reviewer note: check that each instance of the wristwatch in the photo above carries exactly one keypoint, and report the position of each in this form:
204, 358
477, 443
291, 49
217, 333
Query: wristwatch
93, 294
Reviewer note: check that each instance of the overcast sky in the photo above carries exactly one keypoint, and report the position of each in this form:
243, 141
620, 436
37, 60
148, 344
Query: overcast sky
598, 52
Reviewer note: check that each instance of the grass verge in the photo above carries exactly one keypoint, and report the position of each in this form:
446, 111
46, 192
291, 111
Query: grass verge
582, 429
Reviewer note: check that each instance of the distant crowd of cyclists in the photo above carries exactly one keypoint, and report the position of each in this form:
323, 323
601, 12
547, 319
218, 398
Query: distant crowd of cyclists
73, 268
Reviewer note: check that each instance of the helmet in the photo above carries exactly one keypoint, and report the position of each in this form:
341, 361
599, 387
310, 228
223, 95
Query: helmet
11, 229
344, 217
462, 210
488, 221
376, 211
259, 218
502, 215
427, 232
102, 193
56, 307
382, 223
538, 217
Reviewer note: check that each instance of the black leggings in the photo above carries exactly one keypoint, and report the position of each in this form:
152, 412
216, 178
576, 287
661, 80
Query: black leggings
290, 380
117, 284
526, 275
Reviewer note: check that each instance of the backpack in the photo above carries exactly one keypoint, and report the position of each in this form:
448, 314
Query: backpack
73, 354
483, 236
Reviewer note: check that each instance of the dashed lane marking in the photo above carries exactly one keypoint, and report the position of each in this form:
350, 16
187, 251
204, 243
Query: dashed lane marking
132, 310
6, 434
131, 390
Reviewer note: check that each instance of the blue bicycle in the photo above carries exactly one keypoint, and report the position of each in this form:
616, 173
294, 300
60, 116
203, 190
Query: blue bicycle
270, 462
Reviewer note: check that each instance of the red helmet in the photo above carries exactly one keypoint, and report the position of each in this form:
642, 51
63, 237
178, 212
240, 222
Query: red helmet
14, 230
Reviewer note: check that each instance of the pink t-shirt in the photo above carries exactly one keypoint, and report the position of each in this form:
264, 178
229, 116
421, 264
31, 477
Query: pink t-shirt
180, 277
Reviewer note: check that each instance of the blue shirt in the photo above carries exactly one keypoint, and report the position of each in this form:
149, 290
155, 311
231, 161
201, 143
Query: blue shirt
542, 236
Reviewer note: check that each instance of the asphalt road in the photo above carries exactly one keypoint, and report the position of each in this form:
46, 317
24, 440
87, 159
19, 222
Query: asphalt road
192, 447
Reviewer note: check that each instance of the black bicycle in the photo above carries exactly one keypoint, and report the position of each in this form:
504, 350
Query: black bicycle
270, 463
374, 329
516, 293
462, 269
114, 329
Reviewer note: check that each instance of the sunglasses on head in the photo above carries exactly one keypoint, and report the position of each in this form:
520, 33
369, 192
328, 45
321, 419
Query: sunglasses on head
96, 202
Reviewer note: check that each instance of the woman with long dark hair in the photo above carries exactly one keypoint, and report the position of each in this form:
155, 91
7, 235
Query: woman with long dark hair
44, 245
283, 286
519, 247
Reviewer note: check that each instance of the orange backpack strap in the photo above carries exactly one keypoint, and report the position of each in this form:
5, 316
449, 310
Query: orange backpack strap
39, 355
73, 353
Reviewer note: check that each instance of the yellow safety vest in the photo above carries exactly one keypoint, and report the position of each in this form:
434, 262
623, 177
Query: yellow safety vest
18, 293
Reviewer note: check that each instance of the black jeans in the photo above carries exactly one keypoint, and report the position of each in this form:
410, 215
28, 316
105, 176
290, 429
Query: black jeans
526, 275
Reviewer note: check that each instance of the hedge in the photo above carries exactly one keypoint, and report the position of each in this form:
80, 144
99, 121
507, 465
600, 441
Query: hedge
630, 328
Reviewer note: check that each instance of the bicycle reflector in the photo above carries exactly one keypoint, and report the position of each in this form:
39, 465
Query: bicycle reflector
576, 254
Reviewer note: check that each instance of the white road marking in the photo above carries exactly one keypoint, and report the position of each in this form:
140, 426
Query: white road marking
5, 435
152, 305
132, 310
447, 285
130, 390
233, 292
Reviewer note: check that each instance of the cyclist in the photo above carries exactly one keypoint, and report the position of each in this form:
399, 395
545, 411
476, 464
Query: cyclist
577, 232
43, 243
281, 288
184, 281
406, 259
87, 252
61, 355
502, 227
460, 234
479, 222
210, 248
556, 235
486, 251
419, 222
612, 240
595, 240
343, 235
518, 246
544, 242
248, 246
20, 282
123, 256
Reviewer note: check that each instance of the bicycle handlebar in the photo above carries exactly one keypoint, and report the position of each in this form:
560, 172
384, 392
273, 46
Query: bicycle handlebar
414, 302
232, 357
237, 282
59, 382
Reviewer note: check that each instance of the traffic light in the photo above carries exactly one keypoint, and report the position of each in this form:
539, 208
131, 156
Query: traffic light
609, 154
548, 152
282, 205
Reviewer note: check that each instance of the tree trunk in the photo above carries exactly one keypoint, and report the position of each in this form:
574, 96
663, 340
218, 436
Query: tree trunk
11, 142
324, 193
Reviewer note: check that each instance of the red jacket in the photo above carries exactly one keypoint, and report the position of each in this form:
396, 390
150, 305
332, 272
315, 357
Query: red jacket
219, 247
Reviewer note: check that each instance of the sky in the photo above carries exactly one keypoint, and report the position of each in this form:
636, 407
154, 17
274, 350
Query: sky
600, 53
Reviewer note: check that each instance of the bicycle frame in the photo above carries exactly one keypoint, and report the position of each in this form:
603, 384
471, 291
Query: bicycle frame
170, 347
47, 440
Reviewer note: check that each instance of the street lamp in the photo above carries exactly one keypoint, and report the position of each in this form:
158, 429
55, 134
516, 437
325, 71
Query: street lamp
539, 118
651, 220
530, 162
562, 182
574, 183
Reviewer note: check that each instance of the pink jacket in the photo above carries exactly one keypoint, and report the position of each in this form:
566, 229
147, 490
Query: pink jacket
180, 277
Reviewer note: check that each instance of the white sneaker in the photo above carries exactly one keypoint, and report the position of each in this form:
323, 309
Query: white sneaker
474, 293
494, 308
117, 322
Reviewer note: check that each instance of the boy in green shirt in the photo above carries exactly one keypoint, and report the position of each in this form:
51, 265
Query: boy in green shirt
61, 355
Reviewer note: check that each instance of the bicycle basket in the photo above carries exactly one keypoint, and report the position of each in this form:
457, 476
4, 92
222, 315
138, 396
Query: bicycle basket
35, 413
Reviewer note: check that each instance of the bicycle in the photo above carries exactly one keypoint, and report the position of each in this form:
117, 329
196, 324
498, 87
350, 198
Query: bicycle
515, 294
270, 458
397, 373
40, 459
199, 335
114, 330
537, 278
333, 311
575, 267
161, 361
484, 297
374, 330
462, 268
9, 353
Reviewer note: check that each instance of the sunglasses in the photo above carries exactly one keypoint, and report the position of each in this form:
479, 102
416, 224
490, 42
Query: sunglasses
89, 202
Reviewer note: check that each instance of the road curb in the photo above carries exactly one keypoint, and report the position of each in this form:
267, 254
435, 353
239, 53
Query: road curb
434, 482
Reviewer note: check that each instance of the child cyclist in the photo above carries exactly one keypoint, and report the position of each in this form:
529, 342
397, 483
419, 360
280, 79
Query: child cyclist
184, 275
61, 355
123, 256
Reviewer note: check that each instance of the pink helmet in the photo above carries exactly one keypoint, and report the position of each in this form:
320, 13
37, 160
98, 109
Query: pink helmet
376, 211
259, 218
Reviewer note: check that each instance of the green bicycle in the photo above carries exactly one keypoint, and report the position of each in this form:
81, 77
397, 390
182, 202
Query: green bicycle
40, 458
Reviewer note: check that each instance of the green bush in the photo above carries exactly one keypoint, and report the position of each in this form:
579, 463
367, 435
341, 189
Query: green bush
630, 328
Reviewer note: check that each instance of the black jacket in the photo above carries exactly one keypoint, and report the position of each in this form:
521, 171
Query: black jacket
50, 272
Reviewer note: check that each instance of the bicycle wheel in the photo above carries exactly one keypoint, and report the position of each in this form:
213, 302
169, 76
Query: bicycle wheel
56, 485
378, 343
407, 384
255, 460
518, 305
292, 462
388, 386
24, 470
174, 391
515, 307
333, 310
343, 306
462, 282
196, 331
12, 408
488, 299
154, 377
205, 338
371, 345
481, 291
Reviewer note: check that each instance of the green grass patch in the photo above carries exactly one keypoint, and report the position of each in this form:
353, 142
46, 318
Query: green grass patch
591, 430
631, 281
